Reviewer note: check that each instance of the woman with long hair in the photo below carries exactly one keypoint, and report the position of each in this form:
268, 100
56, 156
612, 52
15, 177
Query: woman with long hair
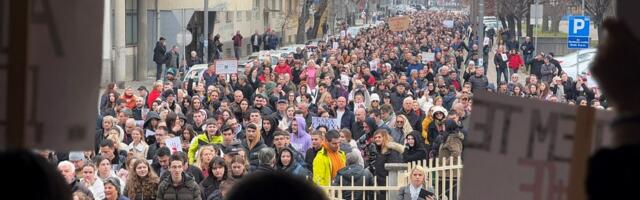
218, 172
204, 156
385, 151
111, 89
142, 182
402, 128
138, 146
187, 135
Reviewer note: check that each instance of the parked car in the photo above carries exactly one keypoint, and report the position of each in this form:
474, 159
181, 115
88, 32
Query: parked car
580, 66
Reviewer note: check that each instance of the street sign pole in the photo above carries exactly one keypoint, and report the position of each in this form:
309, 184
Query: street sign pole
578, 37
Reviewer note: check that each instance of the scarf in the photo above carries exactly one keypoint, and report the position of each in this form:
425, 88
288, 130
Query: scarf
336, 161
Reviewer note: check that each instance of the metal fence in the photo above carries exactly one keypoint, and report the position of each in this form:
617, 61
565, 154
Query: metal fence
443, 178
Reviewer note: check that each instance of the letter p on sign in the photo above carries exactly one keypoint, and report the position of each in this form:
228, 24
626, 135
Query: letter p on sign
578, 24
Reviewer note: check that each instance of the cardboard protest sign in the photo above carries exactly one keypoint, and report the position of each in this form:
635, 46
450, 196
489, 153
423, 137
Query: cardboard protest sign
331, 123
526, 147
399, 23
226, 66
428, 57
174, 144
447, 23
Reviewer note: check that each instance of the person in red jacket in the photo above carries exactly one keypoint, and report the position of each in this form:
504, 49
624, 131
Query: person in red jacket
282, 68
128, 98
154, 94
515, 62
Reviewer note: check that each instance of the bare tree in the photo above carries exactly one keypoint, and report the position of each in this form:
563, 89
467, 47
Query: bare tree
302, 21
317, 16
597, 9
511, 13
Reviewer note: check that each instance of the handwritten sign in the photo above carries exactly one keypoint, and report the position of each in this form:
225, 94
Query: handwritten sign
226, 66
56, 31
174, 144
401, 23
428, 57
447, 23
529, 145
148, 133
331, 123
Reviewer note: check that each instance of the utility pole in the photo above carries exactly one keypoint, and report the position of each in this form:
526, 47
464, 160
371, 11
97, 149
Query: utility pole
205, 48
481, 32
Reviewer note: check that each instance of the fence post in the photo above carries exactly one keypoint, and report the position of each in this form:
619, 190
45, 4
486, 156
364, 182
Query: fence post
394, 170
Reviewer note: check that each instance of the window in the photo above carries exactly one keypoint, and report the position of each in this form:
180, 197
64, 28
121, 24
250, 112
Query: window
131, 22
249, 15
229, 16
239, 16
273, 4
256, 4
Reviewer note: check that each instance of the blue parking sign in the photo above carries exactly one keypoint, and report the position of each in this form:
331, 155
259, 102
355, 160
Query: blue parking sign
578, 37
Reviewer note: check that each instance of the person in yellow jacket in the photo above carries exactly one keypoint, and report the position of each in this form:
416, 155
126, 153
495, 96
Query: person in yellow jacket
425, 125
329, 160
211, 136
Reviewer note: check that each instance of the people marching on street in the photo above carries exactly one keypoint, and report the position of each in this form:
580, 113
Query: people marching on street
334, 113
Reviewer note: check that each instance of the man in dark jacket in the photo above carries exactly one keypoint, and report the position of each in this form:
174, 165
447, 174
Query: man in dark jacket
159, 56
527, 49
478, 81
252, 145
536, 65
177, 184
256, 41
344, 115
398, 96
316, 145
237, 44
353, 175
267, 160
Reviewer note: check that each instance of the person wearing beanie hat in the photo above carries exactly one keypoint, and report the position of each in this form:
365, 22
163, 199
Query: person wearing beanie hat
77, 158
112, 189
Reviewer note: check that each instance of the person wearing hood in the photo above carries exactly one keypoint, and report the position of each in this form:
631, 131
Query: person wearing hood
437, 124
369, 127
150, 125
210, 137
382, 151
252, 145
449, 127
401, 129
414, 150
353, 175
269, 126
288, 164
300, 139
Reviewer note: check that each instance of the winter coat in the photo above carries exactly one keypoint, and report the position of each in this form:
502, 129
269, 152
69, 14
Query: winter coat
499, 61
405, 193
452, 146
360, 177
415, 153
202, 140
187, 190
515, 61
295, 167
536, 67
376, 164
478, 83
396, 100
283, 69
547, 71
208, 186
322, 167
252, 155
159, 53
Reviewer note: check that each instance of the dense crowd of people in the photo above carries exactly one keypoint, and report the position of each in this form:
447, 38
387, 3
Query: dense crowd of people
389, 104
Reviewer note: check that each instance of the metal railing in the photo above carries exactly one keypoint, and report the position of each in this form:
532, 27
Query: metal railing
443, 178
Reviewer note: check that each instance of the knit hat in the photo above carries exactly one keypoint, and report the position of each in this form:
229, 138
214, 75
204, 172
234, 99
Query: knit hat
375, 97
269, 87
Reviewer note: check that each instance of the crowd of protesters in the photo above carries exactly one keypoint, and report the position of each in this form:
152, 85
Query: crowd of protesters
390, 106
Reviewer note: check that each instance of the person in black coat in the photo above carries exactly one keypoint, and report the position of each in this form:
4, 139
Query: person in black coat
256, 41
382, 151
536, 65
353, 175
209, 185
414, 151
159, 56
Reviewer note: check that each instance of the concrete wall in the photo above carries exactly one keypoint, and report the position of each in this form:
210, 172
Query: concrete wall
556, 45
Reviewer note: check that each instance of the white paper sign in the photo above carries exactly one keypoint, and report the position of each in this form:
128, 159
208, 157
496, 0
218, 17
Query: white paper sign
64, 59
447, 23
335, 45
174, 144
428, 57
148, 133
331, 123
226, 66
522, 147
